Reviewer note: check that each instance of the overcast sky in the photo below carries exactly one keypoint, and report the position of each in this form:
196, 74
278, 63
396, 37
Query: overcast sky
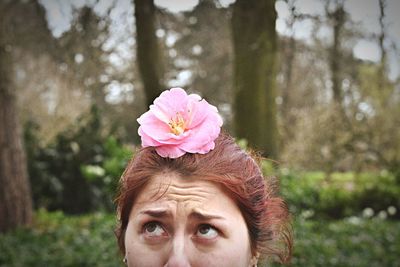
364, 12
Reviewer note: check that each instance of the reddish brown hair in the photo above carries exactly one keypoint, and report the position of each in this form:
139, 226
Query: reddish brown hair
237, 172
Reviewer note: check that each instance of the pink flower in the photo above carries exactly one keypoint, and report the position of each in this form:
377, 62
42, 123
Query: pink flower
178, 123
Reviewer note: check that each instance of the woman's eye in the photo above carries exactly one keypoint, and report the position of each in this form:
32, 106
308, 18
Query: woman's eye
153, 229
207, 231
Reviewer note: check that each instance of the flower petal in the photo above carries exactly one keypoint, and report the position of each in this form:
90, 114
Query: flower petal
159, 113
203, 134
153, 127
146, 139
197, 112
170, 102
169, 151
206, 148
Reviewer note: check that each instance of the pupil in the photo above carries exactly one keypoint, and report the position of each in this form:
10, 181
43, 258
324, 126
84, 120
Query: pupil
151, 227
204, 229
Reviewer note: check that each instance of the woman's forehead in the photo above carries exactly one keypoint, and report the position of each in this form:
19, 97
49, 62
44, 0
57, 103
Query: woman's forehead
173, 186
168, 191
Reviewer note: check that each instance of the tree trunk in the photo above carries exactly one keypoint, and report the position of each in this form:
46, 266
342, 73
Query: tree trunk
290, 50
148, 54
15, 196
338, 20
255, 50
288, 72
381, 41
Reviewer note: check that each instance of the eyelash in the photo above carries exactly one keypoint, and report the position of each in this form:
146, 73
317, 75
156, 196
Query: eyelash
217, 232
145, 225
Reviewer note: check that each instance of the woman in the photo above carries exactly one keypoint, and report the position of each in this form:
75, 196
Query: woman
192, 197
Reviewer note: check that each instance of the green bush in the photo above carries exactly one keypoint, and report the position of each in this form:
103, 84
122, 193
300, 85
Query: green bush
341, 194
353, 241
105, 175
59, 240
79, 170
350, 242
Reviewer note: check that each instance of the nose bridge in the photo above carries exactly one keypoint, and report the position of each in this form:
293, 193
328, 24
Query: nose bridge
178, 254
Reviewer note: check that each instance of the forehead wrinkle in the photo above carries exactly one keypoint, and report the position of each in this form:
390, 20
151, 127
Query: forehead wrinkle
194, 193
177, 191
158, 190
173, 198
194, 190
185, 200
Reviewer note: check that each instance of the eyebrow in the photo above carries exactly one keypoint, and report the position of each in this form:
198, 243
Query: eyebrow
157, 213
195, 214
204, 216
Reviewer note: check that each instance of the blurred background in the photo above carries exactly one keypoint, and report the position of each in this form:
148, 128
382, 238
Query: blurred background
313, 85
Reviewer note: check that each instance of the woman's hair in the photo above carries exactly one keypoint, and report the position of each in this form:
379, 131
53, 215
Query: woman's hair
239, 175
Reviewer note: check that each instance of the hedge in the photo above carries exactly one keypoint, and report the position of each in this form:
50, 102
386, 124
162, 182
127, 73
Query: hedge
59, 240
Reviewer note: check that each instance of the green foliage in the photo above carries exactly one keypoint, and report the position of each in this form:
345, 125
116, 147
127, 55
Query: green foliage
336, 195
78, 172
59, 240
353, 241
340, 194
106, 173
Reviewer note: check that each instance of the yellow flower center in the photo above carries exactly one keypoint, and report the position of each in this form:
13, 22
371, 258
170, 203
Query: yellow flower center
177, 125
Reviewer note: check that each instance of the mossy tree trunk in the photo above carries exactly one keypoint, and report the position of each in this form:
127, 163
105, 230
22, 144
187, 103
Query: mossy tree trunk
338, 18
148, 52
381, 40
255, 50
15, 195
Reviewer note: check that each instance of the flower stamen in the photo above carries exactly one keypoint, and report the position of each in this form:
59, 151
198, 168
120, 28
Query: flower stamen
177, 125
